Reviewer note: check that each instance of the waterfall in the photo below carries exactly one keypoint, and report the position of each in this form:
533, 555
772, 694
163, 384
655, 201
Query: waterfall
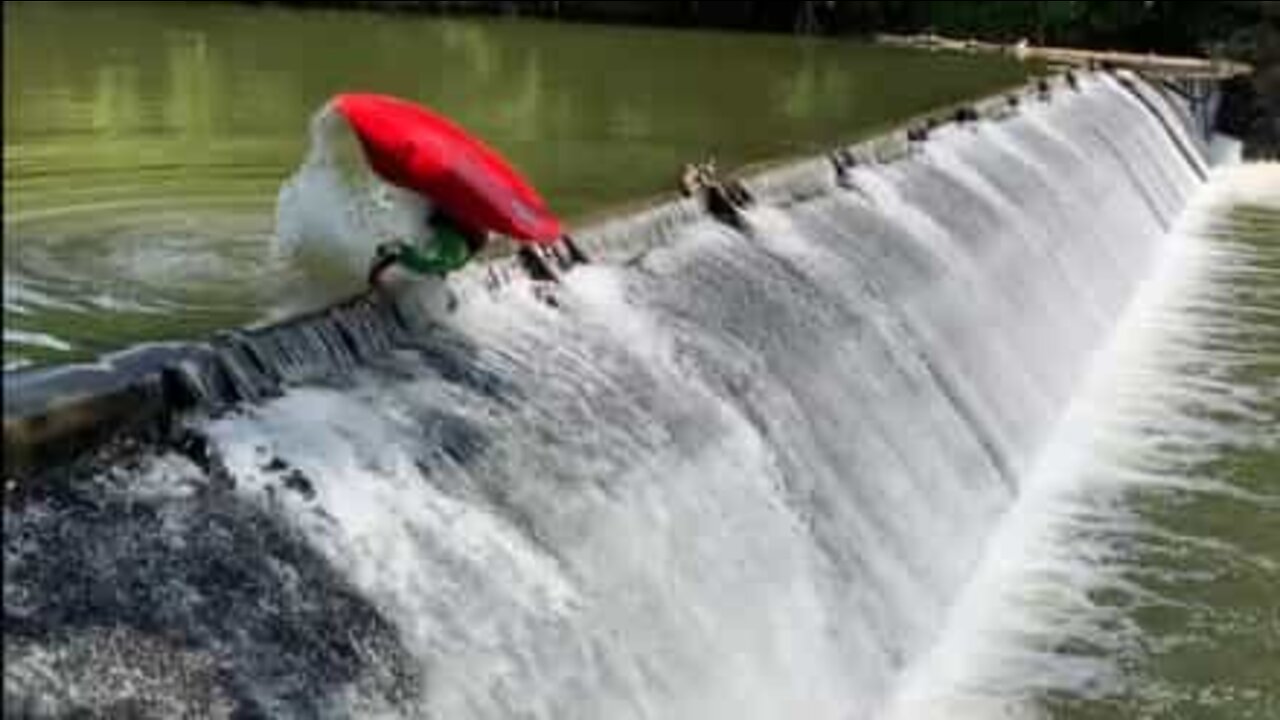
744, 475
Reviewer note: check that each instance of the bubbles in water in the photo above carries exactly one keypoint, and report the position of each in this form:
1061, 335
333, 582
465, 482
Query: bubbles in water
333, 212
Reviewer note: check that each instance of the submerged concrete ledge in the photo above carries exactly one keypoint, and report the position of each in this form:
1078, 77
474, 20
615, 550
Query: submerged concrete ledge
1148, 64
54, 415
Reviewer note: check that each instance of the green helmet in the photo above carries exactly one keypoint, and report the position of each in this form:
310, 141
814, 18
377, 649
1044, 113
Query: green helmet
449, 249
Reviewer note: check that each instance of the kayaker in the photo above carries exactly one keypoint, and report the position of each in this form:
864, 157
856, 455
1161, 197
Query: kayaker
449, 248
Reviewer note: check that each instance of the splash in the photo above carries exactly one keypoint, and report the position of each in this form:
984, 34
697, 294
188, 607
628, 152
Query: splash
333, 211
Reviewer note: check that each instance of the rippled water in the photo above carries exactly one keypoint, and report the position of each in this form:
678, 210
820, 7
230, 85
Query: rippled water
144, 143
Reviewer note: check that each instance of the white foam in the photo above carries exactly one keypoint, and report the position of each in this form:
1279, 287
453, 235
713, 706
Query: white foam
333, 211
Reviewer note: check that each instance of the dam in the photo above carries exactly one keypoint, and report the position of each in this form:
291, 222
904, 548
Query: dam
805, 463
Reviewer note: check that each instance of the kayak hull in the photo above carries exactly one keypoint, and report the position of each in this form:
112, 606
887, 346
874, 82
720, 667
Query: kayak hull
414, 148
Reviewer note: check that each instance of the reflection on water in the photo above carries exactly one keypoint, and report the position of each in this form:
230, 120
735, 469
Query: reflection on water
145, 142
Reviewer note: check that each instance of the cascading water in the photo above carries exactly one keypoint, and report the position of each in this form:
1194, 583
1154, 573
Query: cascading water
744, 476
1135, 576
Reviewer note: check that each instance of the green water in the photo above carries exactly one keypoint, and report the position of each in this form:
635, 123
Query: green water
145, 143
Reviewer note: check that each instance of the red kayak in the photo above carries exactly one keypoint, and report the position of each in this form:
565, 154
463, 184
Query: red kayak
419, 150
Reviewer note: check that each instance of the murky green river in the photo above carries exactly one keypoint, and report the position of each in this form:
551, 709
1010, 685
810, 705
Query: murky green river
145, 143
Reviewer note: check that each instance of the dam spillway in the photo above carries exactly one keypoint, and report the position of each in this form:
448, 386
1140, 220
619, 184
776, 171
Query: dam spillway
743, 474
